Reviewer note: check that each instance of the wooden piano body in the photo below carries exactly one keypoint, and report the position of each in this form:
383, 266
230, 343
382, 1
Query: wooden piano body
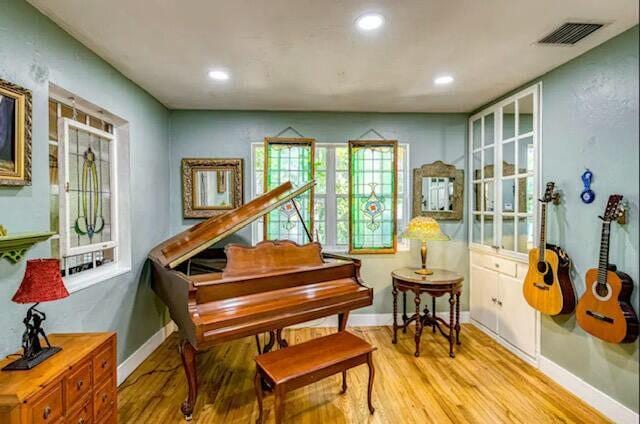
216, 295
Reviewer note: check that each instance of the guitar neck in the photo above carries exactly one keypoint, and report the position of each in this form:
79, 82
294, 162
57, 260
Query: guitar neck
603, 263
543, 229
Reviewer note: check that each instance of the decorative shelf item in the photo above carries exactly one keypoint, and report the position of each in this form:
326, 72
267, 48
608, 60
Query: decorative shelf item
13, 247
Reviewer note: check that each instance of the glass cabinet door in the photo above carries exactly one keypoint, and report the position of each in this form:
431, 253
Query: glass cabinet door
504, 162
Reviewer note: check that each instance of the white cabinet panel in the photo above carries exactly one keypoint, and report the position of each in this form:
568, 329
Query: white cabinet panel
484, 294
517, 320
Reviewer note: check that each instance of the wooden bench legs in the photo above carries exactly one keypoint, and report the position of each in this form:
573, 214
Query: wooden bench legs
280, 392
188, 355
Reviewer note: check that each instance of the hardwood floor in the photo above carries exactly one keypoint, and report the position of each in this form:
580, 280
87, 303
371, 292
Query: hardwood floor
485, 383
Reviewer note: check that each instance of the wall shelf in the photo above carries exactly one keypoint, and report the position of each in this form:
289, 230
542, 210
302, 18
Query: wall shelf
14, 246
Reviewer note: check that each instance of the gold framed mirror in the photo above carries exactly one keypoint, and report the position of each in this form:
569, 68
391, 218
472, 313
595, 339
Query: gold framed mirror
211, 187
437, 191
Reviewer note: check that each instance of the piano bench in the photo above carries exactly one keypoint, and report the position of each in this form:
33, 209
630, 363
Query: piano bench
300, 365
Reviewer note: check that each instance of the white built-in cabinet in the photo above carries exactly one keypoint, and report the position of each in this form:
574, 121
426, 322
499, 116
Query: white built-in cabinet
504, 164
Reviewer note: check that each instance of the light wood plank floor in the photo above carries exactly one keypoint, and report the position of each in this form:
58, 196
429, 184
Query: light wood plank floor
485, 383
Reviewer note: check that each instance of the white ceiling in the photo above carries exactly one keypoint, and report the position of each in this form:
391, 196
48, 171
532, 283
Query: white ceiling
307, 54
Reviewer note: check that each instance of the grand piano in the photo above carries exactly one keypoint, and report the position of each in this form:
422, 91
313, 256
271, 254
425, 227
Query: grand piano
216, 295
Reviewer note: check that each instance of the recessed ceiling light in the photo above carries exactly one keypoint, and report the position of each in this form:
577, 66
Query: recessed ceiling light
443, 80
370, 21
219, 75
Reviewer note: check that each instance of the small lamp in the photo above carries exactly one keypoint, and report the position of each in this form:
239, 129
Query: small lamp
424, 228
42, 282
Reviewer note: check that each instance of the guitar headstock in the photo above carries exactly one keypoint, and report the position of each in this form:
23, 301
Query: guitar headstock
614, 210
550, 195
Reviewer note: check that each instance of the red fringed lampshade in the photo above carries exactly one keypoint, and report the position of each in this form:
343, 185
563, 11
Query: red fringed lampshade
42, 282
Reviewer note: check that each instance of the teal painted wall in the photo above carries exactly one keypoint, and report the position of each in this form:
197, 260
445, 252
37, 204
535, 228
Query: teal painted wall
590, 120
230, 134
33, 52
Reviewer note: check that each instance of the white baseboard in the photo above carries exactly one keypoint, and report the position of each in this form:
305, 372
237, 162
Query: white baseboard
604, 403
136, 358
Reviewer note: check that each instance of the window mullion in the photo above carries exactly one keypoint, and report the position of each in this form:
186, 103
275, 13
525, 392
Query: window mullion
330, 198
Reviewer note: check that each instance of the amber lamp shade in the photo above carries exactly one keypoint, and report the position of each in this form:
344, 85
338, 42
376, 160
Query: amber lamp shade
424, 229
42, 282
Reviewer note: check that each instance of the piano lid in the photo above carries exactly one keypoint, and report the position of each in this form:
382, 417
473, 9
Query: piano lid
189, 243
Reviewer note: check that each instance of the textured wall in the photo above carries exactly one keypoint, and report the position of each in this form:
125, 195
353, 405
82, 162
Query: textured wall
230, 134
590, 120
33, 52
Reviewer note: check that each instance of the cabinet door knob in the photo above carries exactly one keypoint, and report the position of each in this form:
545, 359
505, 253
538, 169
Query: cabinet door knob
46, 413
104, 397
493, 299
499, 303
79, 384
497, 265
104, 364
81, 420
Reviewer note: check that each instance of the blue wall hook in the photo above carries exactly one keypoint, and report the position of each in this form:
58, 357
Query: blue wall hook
587, 195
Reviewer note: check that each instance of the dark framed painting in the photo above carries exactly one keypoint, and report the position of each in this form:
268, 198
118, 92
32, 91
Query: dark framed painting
15, 134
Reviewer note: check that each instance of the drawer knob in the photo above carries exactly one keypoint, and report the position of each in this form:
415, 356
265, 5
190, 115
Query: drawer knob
79, 384
81, 420
104, 364
494, 300
46, 413
499, 303
497, 265
104, 397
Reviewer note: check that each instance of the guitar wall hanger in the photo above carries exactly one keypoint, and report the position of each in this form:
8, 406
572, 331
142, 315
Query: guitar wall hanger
620, 215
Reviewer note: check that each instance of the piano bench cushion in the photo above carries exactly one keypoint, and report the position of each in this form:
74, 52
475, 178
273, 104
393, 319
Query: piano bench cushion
312, 357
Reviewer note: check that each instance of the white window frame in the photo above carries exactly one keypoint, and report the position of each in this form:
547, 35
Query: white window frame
497, 179
331, 198
120, 189
66, 124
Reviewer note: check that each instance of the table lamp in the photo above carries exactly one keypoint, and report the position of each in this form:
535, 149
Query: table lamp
423, 228
42, 282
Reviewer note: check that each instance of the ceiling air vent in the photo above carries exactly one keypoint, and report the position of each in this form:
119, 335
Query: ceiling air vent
570, 33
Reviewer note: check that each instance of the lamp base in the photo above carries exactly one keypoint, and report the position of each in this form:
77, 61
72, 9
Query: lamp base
23, 364
424, 271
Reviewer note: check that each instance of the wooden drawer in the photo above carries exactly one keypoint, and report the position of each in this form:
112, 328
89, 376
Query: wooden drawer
111, 418
496, 263
104, 399
48, 408
103, 363
78, 384
84, 415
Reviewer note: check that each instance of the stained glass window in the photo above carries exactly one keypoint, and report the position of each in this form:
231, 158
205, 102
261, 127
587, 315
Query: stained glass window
87, 234
373, 173
289, 159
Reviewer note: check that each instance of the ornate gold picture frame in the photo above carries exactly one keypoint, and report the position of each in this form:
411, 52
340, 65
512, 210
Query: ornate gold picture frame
15, 134
441, 173
211, 187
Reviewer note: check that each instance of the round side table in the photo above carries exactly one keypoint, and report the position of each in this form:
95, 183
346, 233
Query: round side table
438, 284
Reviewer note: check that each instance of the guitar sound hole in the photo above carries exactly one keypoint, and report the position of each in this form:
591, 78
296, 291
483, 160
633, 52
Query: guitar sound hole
545, 270
602, 290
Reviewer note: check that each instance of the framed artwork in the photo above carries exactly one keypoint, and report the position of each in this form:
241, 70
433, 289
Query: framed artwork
373, 192
289, 159
15, 134
211, 187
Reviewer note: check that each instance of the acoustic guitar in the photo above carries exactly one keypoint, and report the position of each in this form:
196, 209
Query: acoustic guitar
547, 286
604, 310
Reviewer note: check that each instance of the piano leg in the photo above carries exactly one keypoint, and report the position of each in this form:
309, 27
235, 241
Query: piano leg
342, 321
269, 345
188, 355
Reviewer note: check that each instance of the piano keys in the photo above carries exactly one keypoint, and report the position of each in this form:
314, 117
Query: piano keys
216, 295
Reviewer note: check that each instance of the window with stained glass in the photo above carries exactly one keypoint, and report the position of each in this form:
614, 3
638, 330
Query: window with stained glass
289, 159
331, 196
373, 173
82, 204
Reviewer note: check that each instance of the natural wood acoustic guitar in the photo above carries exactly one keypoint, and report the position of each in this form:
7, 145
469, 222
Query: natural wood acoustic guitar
604, 310
547, 286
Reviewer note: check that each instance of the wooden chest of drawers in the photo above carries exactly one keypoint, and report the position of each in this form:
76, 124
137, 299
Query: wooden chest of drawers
75, 386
